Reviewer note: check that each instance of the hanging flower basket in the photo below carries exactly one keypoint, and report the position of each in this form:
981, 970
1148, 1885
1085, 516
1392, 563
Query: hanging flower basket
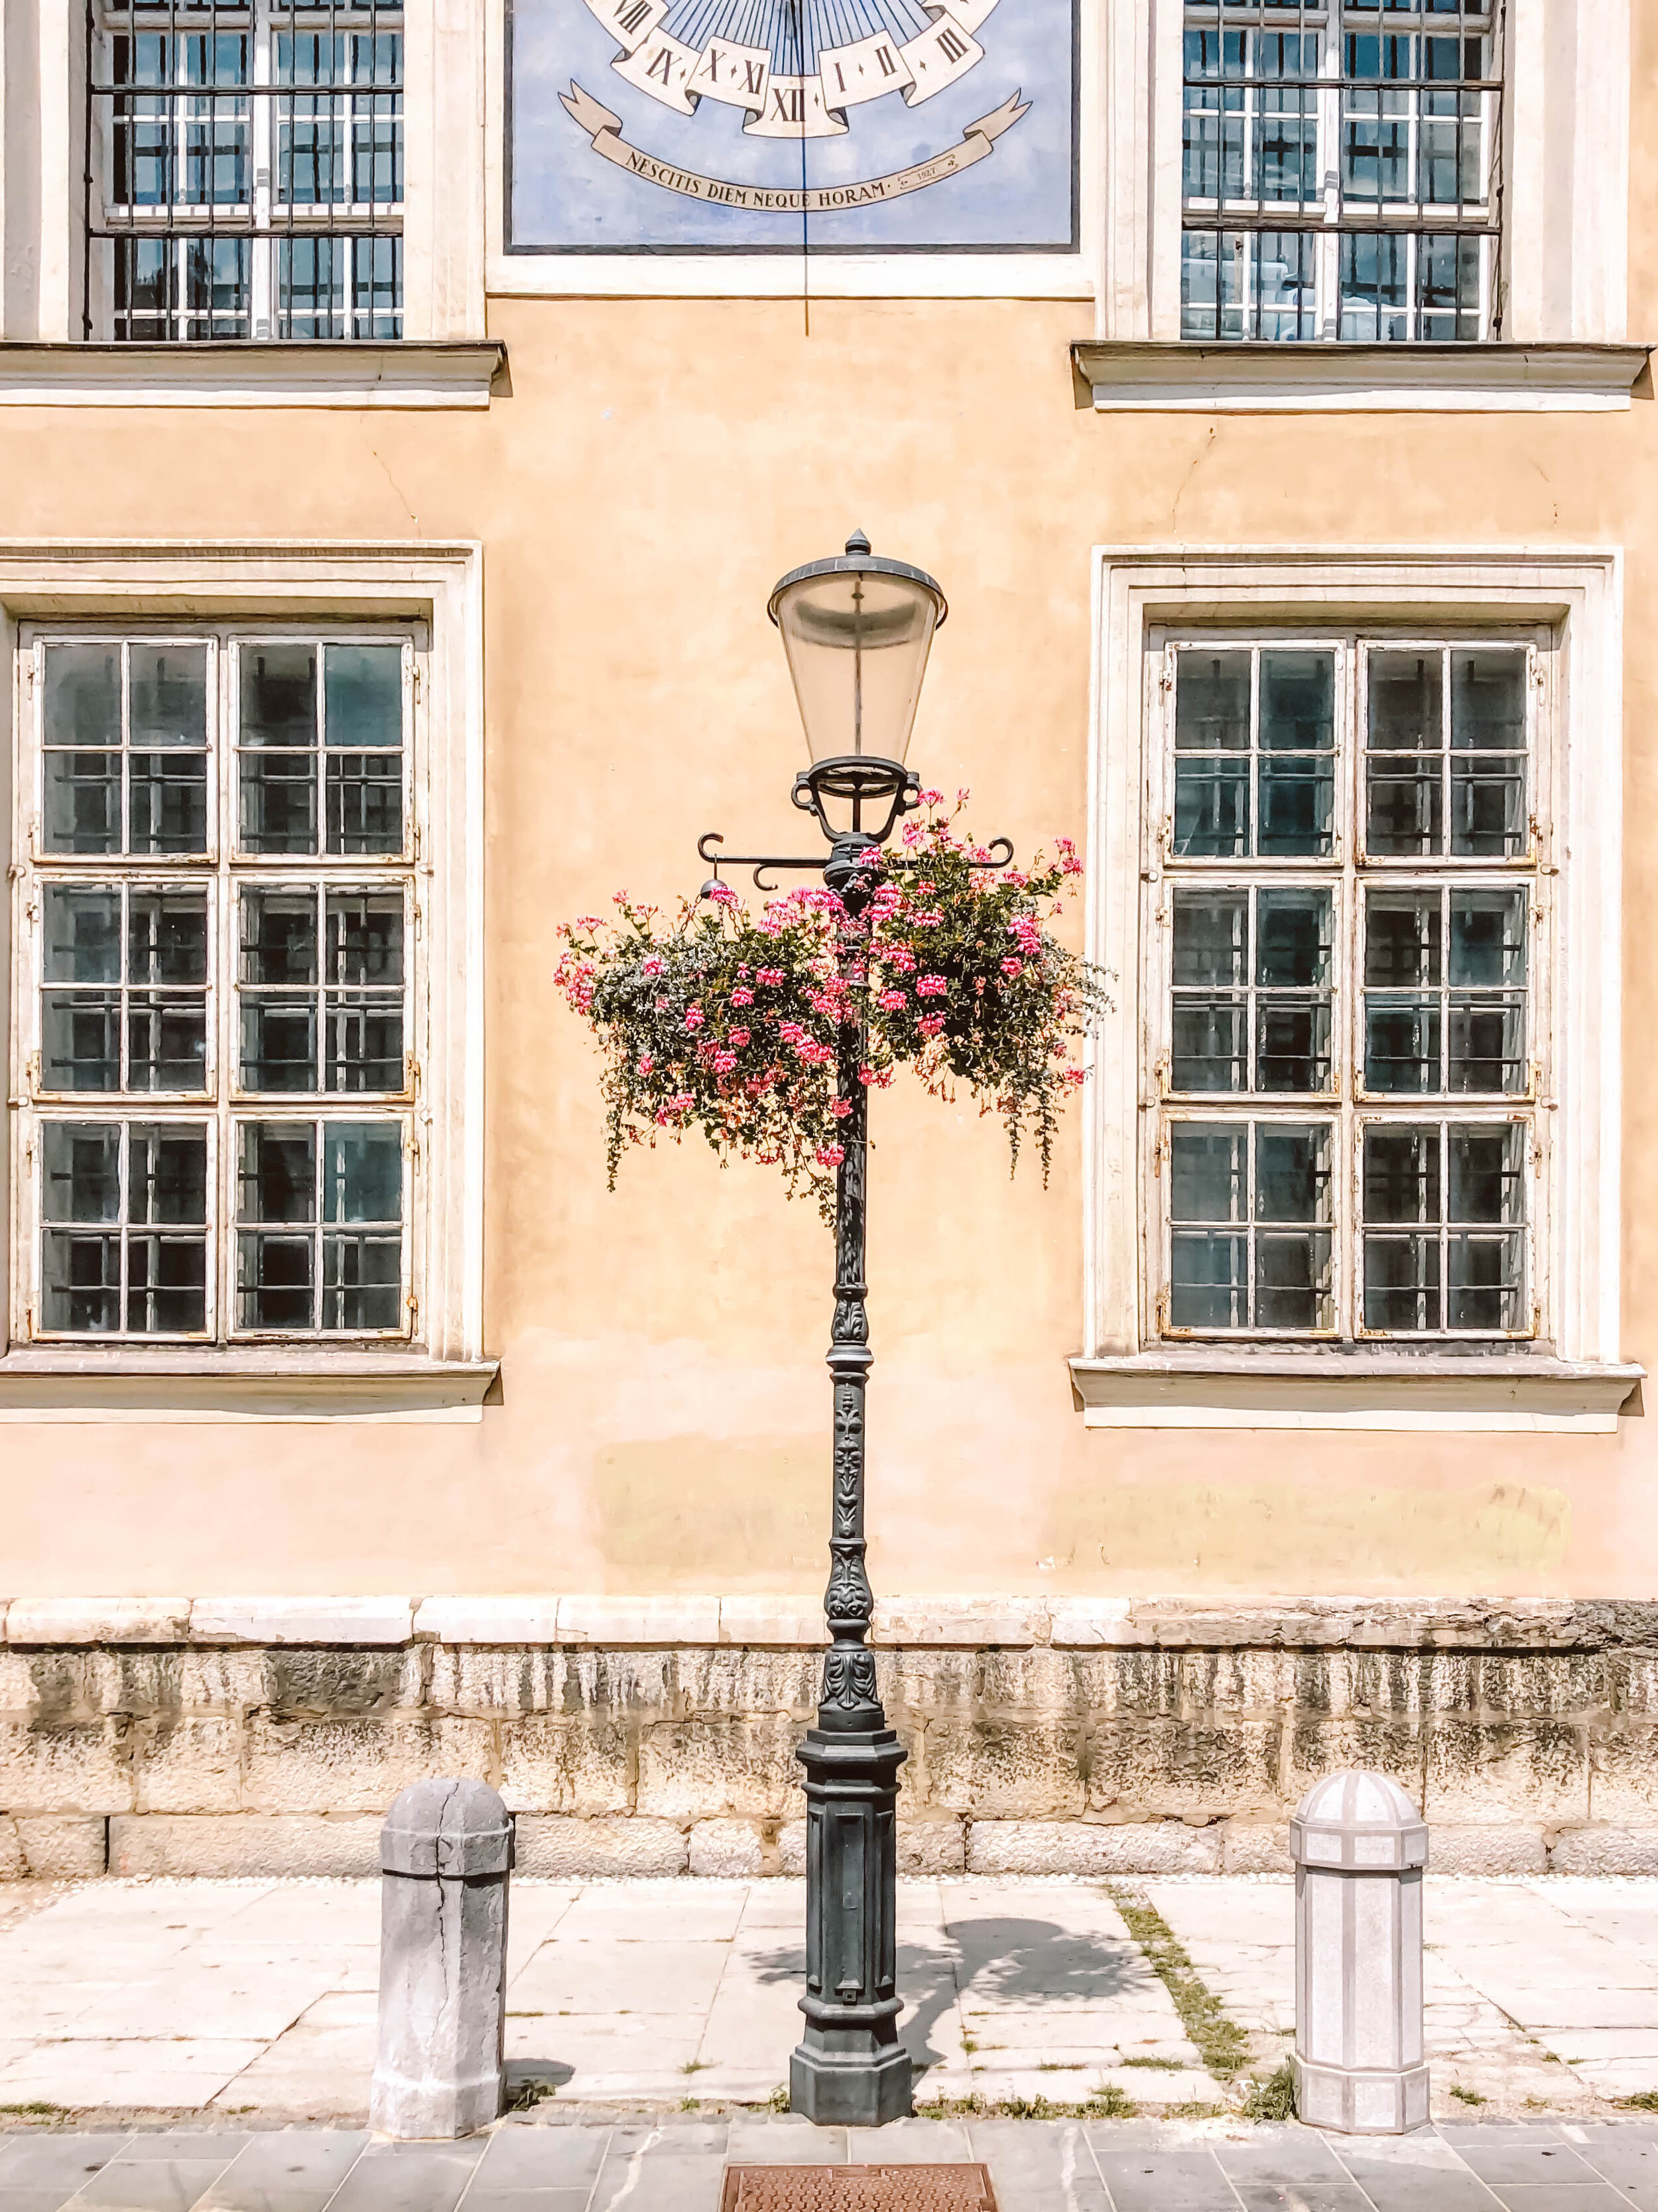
730, 1024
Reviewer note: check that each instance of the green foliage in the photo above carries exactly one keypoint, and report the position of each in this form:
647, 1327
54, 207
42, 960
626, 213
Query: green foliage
1222, 2044
1274, 2099
734, 1024
1105, 2103
1466, 2096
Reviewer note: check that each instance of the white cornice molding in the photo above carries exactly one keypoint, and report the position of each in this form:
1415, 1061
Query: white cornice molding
460, 372
1252, 378
1351, 1391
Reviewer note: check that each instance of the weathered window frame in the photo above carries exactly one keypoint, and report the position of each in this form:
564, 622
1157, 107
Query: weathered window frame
1576, 1376
432, 591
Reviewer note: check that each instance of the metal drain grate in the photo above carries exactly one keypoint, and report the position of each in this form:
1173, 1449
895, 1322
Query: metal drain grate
857, 2188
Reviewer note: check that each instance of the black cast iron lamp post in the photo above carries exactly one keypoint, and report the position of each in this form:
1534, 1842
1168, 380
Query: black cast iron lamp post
857, 631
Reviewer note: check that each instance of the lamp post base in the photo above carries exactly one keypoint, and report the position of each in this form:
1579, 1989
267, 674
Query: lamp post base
849, 2068
855, 2083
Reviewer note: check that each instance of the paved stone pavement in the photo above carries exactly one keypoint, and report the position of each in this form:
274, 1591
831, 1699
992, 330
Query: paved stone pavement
675, 2164
254, 2001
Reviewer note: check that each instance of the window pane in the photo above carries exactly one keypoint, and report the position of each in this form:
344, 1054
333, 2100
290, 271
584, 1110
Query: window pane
1294, 1286
1403, 775
1488, 1027
1297, 742
83, 695
80, 1179
82, 711
167, 802
81, 1282
1209, 1272
364, 695
1211, 1045
277, 1171
363, 1178
167, 937
1402, 1025
1488, 755
81, 935
1401, 1173
81, 1040
276, 1273
1293, 952
278, 731
364, 686
1401, 1283
363, 1282
279, 1025
167, 1274
169, 696
364, 1025
1211, 702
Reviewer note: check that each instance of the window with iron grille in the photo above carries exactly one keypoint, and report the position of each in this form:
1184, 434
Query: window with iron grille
1348, 1009
1343, 170
219, 1037
244, 171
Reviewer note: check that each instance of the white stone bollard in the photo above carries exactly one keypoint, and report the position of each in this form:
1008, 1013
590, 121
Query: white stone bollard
446, 1852
1360, 1846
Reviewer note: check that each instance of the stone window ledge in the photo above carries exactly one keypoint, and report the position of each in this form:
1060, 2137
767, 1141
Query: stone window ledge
72, 1384
412, 373
1215, 1387
1256, 377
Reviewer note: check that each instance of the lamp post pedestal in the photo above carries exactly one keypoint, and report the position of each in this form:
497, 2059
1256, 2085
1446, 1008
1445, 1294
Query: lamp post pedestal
849, 2067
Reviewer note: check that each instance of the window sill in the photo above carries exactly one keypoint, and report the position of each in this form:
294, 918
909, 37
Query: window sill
410, 373
1188, 376
1220, 1389
175, 1383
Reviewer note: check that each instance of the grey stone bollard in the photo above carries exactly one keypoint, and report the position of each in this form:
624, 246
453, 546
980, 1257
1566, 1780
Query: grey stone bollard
446, 1852
1360, 1847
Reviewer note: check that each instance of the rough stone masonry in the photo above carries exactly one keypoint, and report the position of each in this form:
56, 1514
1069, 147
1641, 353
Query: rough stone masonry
656, 1736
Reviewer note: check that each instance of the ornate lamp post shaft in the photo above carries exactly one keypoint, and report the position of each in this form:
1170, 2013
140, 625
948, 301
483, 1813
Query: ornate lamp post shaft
849, 2067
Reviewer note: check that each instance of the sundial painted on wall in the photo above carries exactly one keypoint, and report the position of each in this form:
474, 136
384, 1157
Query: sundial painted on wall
697, 126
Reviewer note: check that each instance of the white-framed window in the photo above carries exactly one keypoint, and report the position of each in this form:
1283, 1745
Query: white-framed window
221, 1042
1433, 170
245, 172
1342, 170
265, 1180
1346, 987
1353, 1130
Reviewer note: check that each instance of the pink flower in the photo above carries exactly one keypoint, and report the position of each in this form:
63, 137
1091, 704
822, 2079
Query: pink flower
891, 1000
932, 987
653, 964
1010, 968
927, 920
791, 1032
645, 1063
831, 1156
662, 1006
721, 894
738, 1037
742, 998
771, 976
724, 1062
902, 958
680, 1102
933, 799
869, 857
841, 1109
693, 1017
930, 1025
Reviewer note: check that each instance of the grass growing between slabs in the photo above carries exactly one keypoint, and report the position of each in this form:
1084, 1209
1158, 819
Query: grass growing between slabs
1221, 2043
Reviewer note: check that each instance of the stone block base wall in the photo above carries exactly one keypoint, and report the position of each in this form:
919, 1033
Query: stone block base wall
656, 1737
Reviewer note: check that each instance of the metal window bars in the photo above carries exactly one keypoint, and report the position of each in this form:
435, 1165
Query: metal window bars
1342, 170
244, 170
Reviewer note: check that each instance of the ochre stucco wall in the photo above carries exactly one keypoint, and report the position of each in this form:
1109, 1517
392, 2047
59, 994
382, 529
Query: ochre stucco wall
665, 1410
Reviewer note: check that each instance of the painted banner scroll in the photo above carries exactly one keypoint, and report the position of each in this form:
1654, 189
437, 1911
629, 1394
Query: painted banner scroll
744, 126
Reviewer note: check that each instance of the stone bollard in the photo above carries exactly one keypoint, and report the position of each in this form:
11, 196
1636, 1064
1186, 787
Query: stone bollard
1359, 1847
446, 1852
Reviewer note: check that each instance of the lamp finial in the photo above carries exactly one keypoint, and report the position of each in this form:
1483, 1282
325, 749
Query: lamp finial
857, 543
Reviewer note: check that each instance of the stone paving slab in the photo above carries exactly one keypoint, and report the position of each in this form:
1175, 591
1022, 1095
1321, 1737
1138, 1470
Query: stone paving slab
675, 2164
253, 2000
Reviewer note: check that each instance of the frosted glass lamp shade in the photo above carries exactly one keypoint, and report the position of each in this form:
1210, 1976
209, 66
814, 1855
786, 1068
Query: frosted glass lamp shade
857, 631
